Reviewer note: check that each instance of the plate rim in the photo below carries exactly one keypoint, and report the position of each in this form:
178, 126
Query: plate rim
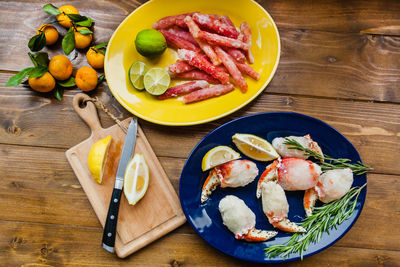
285, 113
160, 122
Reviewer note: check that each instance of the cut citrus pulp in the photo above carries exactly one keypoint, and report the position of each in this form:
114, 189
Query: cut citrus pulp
136, 73
97, 158
217, 156
156, 81
136, 179
255, 147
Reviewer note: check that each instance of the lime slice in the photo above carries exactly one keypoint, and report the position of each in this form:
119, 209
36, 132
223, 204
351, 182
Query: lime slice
136, 179
255, 147
217, 156
156, 81
136, 73
97, 158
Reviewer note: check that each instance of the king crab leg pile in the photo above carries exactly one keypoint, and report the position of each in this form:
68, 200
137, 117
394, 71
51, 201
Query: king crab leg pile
290, 172
211, 49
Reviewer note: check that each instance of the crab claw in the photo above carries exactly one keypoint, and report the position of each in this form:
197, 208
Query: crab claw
211, 183
276, 207
306, 141
256, 235
234, 173
310, 197
270, 174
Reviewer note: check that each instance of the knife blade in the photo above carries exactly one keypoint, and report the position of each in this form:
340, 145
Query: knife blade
112, 214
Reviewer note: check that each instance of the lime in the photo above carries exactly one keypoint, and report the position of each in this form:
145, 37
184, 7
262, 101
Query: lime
156, 81
150, 43
217, 156
255, 147
136, 179
136, 74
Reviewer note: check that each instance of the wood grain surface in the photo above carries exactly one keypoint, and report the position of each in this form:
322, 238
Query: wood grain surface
328, 70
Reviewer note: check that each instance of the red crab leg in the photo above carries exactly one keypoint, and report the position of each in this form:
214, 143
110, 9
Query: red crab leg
310, 197
236, 54
216, 39
183, 34
183, 89
200, 62
169, 21
179, 67
228, 21
288, 226
230, 65
248, 70
210, 185
270, 173
245, 29
212, 91
196, 75
216, 25
208, 50
178, 42
255, 235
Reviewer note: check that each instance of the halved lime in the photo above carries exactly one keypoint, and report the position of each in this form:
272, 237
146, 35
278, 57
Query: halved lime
136, 73
156, 81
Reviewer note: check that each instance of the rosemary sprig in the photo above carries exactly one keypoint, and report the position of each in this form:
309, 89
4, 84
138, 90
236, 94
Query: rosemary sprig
329, 163
324, 219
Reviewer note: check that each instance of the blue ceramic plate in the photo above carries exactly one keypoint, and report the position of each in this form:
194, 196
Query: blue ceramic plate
206, 219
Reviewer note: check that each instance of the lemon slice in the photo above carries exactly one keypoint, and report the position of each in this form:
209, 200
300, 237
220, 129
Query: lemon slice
97, 158
136, 179
156, 81
217, 156
255, 147
136, 73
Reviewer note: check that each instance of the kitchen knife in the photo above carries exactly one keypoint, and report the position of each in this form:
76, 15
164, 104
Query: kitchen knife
112, 215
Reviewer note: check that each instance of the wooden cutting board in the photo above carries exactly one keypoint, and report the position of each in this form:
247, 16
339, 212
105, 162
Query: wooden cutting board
156, 214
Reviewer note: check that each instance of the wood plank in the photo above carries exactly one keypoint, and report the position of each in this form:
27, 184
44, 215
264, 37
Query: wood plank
345, 65
47, 194
31, 243
374, 128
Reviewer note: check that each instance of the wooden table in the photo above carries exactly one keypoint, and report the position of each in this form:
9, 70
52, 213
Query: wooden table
328, 70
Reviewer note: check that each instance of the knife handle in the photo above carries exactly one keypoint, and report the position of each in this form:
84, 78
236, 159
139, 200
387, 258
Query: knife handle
111, 221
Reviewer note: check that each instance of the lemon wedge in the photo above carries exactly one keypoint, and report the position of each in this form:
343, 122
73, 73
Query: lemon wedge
136, 179
255, 147
217, 156
97, 158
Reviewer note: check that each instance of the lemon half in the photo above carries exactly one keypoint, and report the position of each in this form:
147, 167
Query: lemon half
136, 179
97, 158
255, 147
217, 156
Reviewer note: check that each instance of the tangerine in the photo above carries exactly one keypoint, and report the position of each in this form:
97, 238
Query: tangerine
95, 58
86, 79
50, 32
82, 40
43, 84
60, 67
63, 19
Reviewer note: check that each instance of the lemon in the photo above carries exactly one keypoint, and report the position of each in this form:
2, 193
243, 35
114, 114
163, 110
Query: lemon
136, 179
136, 73
156, 81
150, 43
97, 158
255, 147
217, 156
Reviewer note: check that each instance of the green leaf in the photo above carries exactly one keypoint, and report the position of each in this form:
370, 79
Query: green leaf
17, 78
32, 58
103, 51
58, 93
101, 45
41, 58
100, 79
68, 42
50, 9
76, 17
37, 42
85, 23
68, 83
85, 31
38, 71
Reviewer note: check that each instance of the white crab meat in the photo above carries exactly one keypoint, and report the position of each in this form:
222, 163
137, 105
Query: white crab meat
286, 152
291, 173
240, 220
231, 174
332, 185
276, 207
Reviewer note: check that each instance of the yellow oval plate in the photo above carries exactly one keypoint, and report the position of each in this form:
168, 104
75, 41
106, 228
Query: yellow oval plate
121, 53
